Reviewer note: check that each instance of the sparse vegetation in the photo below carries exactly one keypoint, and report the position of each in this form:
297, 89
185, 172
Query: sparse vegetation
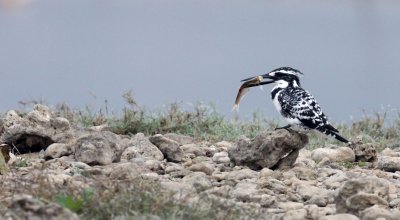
108, 199
205, 123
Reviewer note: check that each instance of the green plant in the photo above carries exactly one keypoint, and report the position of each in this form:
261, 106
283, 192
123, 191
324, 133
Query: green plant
75, 204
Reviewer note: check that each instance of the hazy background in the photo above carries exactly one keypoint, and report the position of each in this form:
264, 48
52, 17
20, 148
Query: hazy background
85, 51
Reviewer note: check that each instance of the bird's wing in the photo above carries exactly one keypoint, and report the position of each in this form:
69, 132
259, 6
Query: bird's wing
303, 106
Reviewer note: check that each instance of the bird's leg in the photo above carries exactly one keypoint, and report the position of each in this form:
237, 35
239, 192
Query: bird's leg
286, 127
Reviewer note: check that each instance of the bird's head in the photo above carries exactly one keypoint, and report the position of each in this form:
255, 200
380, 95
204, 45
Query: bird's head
283, 76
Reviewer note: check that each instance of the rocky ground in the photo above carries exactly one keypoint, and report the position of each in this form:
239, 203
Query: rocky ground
50, 169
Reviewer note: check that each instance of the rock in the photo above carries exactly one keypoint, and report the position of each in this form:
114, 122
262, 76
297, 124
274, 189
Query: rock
364, 152
97, 148
297, 214
355, 195
288, 160
5, 152
168, 147
4, 157
193, 149
390, 153
152, 165
224, 145
340, 217
341, 154
244, 191
389, 164
376, 212
315, 212
221, 157
140, 146
199, 180
204, 167
57, 150
314, 195
305, 173
266, 172
179, 138
267, 149
27, 207
123, 171
335, 180
287, 206
36, 131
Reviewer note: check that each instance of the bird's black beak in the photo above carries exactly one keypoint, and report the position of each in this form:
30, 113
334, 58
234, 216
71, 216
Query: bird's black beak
257, 80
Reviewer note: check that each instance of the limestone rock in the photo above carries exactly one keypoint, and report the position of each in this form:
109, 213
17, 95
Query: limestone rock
27, 207
340, 217
221, 157
140, 146
57, 150
355, 195
267, 149
389, 164
193, 149
168, 147
297, 214
377, 212
204, 167
199, 180
97, 148
341, 154
179, 138
35, 131
364, 152
4, 157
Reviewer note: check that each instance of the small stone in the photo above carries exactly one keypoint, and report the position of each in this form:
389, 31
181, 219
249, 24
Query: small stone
199, 180
364, 152
193, 149
340, 217
287, 206
355, 195
389, 164
57, 150
341, 154
377, 212
180, 139
297, 214
204, 167
221, 157
265, 172
168, 147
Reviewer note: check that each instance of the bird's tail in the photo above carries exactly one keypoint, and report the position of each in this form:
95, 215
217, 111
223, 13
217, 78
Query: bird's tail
333, 134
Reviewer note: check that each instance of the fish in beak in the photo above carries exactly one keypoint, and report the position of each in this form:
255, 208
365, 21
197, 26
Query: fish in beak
248, 83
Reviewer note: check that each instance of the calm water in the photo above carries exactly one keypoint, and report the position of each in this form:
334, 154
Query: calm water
85, 51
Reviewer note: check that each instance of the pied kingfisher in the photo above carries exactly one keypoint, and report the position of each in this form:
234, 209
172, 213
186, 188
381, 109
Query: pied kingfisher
295, 104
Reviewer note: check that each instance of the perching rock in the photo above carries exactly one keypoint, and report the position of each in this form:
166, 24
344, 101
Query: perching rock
355, 195
268, 149
168, 147
35, 131
341, 154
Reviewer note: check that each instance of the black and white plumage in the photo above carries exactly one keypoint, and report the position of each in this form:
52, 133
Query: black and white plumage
297, 105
